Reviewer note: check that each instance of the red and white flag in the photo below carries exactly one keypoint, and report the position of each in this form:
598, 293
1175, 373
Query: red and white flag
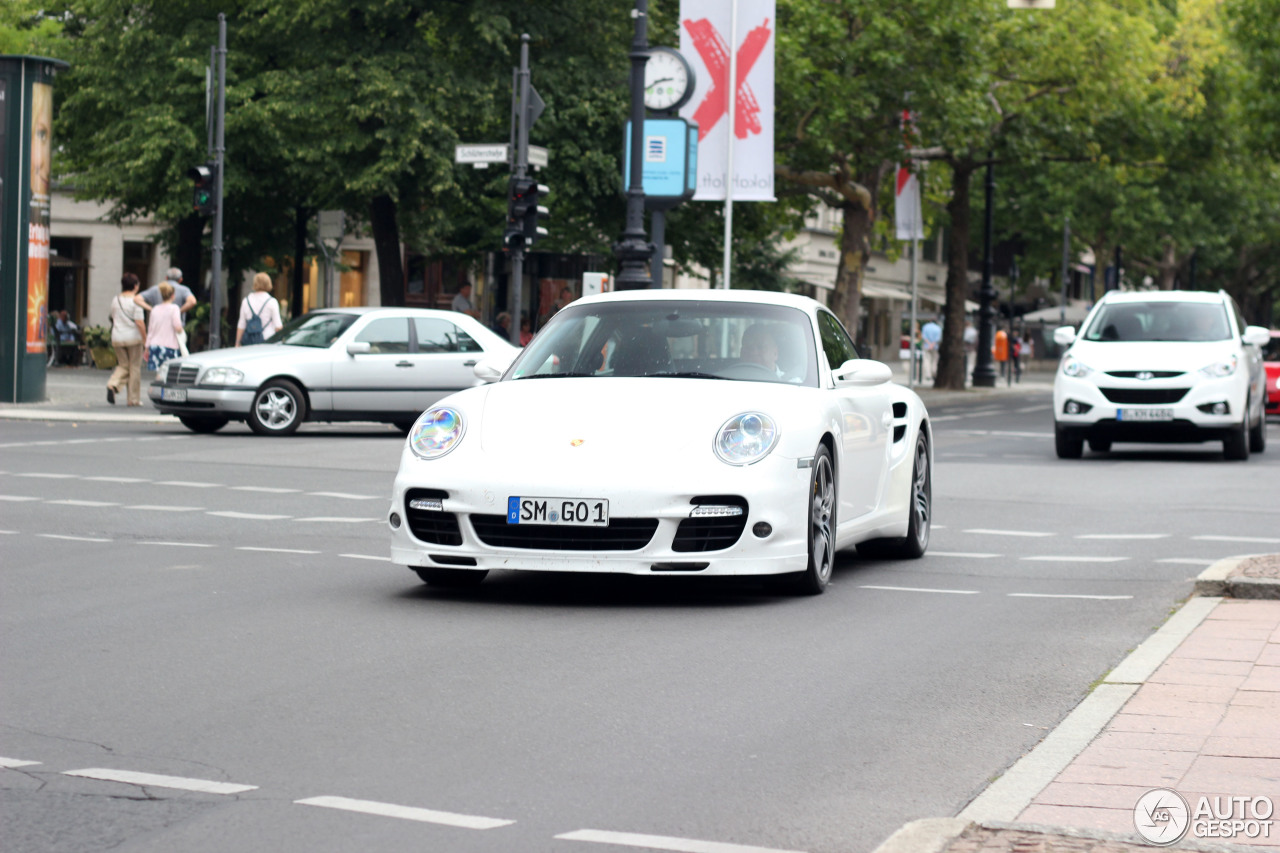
907, 214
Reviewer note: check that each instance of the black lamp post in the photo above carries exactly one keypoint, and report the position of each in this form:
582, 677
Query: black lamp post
984, 370
634, 250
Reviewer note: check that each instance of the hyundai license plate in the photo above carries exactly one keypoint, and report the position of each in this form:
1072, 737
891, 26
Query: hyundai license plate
1144, 414
581, 512
174, 395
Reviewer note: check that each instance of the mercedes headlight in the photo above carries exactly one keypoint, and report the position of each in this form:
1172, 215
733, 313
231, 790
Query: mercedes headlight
436, 433
746, 438
222, 376
1075, 368
1220, 368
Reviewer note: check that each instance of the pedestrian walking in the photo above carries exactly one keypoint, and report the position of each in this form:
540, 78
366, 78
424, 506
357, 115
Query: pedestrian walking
931, 332
182, 297
462, 301
128, 332
1000, 350
162, 330
259, 313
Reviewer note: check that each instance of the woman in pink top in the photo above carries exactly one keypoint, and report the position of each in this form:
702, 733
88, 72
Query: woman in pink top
162, 332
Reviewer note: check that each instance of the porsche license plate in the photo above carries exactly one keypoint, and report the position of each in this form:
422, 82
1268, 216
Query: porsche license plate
1144, 414
174, 395
581, 512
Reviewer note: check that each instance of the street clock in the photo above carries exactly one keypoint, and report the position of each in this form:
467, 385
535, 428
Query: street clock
668, 80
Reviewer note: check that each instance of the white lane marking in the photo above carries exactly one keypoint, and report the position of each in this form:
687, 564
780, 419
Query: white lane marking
155, 780
1027, 409
43, 476
366, 557
276, 550
158, 508
72, 502
1123, 536
987, 411
921, 589
330, 520
230, 513
940, 418
344, 495
664, 842
1074, 559
1187, 561
8, 532
186, 484
71, 538
1263, 539
15, 762
1005, 433
17, 498
269, 489
962, 456
179, 544
989, 532
117, 479
464, 821
1090, 597
974, 555
937, 527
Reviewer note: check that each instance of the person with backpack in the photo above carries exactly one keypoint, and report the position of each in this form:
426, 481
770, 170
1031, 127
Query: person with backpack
259, 313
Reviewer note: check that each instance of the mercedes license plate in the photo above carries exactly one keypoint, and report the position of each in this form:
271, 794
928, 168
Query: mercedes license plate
582, 512
1144, 414
174, 395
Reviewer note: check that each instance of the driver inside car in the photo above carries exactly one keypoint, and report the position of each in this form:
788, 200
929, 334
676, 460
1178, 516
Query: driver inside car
759, 347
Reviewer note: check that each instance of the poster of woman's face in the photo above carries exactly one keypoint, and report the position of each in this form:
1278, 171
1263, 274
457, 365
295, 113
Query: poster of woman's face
38, 230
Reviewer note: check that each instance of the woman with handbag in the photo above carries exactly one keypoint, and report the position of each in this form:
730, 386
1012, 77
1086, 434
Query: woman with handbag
128, 332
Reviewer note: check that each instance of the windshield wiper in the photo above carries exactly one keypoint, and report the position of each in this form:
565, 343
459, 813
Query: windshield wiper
690, 374
552, 375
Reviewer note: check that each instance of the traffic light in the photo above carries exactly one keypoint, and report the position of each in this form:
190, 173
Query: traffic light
526, 210
204, 201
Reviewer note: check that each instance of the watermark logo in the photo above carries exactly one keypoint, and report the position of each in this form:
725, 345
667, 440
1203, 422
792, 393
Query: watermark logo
1163, 817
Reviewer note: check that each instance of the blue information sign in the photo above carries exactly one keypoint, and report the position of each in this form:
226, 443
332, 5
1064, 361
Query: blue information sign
670, 159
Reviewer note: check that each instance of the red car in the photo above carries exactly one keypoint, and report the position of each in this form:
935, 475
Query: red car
1271, 360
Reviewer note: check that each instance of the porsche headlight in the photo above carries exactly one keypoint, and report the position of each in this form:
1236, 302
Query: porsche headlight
746, 438
1220, 368
222, 376
1074, 367
436, 433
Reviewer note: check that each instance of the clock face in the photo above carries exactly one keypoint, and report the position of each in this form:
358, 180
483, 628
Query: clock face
668, 80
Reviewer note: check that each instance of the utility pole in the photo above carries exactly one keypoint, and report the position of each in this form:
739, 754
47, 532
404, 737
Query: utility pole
515, 288
219, 158
1066, 260
633, 250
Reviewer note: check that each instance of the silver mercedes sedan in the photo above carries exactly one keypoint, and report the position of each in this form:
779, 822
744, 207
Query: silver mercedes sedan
333, 364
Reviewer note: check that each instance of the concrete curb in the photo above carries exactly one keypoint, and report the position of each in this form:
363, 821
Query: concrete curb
149, 417
929, 835
1217, 581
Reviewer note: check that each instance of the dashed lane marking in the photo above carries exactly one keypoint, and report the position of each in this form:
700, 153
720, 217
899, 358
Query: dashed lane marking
16, 762
72, 502
268, 489
366, 557
187, 484
117, 479
345, 495
180, 544
1187, 561
990, 532
1089, 597
162, 508
43, 476
155, 780
1262, 539
664, 842
1008, 433
331, 520
921, 589
464, 821
965, 554
1029, 409
1073, 559
71, 538
1123, 536
275, 550
8, 533
230, 513
17, 498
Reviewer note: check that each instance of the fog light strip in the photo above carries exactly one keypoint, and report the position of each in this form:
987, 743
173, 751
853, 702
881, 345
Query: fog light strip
715, 510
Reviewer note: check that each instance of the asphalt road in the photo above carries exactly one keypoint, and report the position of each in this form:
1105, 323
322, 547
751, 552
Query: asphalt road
220, 608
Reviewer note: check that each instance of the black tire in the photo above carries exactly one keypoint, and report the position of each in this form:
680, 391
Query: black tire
1235, 446
1258, 435
1067, 445
455, 578
278, 408
1099, 445
821, 528
916, 542
202, 424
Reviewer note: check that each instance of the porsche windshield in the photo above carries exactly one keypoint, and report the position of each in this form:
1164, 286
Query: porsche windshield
1160, 321
317, 329
697, 340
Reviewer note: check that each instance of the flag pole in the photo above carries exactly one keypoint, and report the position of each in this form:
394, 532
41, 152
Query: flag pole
728, 184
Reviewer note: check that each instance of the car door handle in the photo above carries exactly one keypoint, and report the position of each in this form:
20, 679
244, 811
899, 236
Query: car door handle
471, 363
404, 364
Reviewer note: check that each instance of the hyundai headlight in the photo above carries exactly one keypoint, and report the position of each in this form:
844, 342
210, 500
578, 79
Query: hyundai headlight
746, 438
1073, 367
436, 433
1220, 368
222, 376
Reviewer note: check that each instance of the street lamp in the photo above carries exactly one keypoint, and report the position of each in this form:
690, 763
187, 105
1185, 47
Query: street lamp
633, 250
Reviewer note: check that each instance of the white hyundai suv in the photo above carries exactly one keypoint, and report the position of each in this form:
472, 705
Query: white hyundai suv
1161, 366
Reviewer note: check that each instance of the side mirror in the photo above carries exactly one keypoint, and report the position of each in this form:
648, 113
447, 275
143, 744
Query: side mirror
1064, 336
1258, 336
359, 348
491, 368
862, 372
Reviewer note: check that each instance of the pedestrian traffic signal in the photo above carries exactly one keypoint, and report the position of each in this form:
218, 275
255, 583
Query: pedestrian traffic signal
204, 201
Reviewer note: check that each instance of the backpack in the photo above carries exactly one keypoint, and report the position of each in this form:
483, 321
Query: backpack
252, 326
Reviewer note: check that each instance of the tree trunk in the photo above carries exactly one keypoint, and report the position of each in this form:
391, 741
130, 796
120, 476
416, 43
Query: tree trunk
855, 248
1169, 266
189, 254
386, 240
951, 360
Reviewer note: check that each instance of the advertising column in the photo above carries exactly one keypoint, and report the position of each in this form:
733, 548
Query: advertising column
26, 148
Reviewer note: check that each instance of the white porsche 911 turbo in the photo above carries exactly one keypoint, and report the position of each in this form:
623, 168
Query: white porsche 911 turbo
663, 432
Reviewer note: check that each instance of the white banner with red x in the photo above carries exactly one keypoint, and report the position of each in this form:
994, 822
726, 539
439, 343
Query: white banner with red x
706, 32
